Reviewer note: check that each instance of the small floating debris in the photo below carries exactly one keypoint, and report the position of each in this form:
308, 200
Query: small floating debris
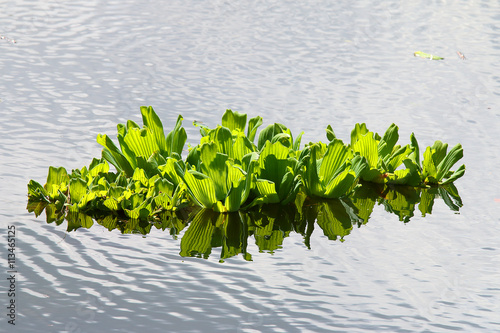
461, 55
10, 40
427, 56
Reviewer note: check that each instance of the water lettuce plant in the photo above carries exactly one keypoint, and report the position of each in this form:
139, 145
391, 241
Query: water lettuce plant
228, 172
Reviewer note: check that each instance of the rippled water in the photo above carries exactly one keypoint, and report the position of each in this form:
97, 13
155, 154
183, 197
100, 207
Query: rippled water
80, 67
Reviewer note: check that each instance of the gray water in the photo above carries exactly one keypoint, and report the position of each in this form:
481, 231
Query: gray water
77, 68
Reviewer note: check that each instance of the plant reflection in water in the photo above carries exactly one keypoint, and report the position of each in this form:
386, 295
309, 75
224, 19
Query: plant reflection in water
268, 225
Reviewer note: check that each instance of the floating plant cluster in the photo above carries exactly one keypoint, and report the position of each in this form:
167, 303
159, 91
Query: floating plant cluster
228, 172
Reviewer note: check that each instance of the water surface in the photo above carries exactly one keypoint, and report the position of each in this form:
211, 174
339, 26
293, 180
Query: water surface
80, 67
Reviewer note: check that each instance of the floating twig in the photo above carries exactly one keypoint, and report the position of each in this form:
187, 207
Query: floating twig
461, 55
10, 40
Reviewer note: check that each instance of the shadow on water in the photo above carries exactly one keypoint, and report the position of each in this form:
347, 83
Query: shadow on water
269, 225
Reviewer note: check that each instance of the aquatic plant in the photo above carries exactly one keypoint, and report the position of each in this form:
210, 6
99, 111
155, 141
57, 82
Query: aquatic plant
228, 172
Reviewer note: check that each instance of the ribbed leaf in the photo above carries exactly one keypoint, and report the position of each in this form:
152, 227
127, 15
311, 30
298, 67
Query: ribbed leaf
389, 140
415, 155
176, 139
457, 174
336, 155
234, 196
113, 155
168, 170
234, 120
253, 125
439, 152
330, 134
340, 185
428, 167
57, 180
358, 132
223, 139
268, 133
367, 147
397, 158
214, 166
141, 141
202, 189
36, 191
140, 175
267, 191
455, 154
273, 162
77, 189
242, 146
310, 174
153, 123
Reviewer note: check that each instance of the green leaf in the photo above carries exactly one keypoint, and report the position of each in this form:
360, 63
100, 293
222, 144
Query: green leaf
268, 133
330, 135
455, 154
113, 155
358, 132
336, 155
438, 152
153, 123
234, 120
57, 181
388, 142
457, 174
427, 56
36, 191
214, 166
253, 125
340, 185
367, 146
176, 139
202, 189
415, 155
77, 189
428, 167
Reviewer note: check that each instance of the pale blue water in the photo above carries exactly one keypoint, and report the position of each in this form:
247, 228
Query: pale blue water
80, 67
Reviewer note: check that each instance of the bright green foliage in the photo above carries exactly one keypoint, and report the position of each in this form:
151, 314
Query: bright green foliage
220, 185
332, 174
144, 147
437, 164
384, 156
427, 56
57, 183
279, 180
278, 132
227, 172
235, 122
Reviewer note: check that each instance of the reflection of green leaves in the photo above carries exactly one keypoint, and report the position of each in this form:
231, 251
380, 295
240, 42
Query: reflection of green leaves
335, 218
269, 225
